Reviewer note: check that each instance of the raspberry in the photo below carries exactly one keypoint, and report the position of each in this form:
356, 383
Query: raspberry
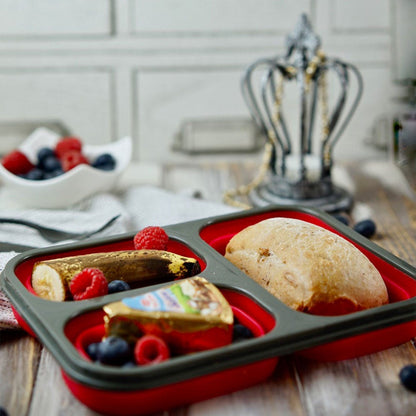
16, 162
88, 283
71, 159
150, 349
67, 144
151, 238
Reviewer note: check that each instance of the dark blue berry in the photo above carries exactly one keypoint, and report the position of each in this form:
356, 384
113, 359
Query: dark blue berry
241, 332
129, 364
3, 411
408, 376
118, 286
43, 153
92, 350
105, 167
104, 162
50, 164
114, 351
367, 228
34, 174
53, 174
342, 218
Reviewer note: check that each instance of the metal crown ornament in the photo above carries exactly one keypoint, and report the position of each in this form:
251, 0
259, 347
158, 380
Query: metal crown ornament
299, 171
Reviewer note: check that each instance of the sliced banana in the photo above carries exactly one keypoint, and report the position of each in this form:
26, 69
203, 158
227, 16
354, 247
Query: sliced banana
47, 283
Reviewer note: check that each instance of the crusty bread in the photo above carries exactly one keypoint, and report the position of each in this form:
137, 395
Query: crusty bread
307, 267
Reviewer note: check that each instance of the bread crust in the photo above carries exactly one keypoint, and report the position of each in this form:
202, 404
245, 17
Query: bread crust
307, 267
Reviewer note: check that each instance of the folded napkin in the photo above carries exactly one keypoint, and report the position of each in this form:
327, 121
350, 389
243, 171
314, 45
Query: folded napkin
138, 207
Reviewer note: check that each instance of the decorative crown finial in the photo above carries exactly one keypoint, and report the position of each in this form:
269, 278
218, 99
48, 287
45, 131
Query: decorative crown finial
303, 39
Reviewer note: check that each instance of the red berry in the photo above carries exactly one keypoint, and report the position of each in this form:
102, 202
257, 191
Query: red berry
151, 238
88, 283
67, 144
150, 349
71, 159
17, 162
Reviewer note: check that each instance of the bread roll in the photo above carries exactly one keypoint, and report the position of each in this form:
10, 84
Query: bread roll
308, 268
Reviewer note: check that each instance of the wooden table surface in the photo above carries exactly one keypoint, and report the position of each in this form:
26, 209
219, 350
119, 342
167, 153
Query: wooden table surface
31, 382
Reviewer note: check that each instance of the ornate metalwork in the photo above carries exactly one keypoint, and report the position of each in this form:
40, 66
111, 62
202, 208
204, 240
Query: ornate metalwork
296, 173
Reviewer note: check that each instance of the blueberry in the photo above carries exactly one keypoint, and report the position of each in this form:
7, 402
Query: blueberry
408, 376
367, 228
34, 174
105, 167
129, 364
50, 164
342, 218
118, 286
241, 332
114, 351
45, 152
92, 350
53, 174
104, 162
3, 411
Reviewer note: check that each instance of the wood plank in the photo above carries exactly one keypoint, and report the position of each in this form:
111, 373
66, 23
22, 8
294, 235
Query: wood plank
50, 394
392, 209
363, 386
278, 396
19, 357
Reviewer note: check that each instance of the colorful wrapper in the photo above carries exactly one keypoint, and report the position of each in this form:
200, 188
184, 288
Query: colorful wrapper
190, 315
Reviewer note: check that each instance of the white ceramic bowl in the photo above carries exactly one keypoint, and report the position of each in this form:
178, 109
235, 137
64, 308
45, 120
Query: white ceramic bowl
72, 186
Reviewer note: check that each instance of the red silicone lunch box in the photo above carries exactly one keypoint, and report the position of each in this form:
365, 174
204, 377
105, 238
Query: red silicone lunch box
66, 328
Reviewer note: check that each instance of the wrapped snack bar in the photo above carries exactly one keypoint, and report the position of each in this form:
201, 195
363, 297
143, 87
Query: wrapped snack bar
190, 315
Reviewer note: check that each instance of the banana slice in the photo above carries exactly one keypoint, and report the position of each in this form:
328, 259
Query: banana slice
48, 283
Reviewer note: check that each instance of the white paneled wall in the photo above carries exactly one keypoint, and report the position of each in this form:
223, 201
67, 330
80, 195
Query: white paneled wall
108, 68
48, 18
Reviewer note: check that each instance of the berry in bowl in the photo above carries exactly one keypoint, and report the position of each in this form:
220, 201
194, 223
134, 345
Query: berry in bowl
50, 171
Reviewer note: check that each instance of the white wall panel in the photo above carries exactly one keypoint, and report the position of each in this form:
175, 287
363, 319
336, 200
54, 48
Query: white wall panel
80, 100
404, 31
26, 18
367, 16
166, 99
217, 16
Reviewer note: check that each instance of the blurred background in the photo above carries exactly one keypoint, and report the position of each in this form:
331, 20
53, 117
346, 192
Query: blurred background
167, 72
